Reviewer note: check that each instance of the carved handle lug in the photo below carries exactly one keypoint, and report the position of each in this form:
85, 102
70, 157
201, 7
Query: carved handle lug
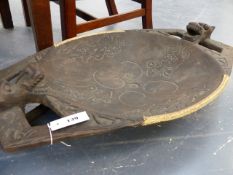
198, 33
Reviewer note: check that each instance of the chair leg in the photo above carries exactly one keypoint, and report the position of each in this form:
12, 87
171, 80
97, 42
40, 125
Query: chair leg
6, 14
147, 22
40, 16
112, 9
68, 18
26, 13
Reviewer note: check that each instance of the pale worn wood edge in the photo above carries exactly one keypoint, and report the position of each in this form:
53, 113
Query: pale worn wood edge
148, 120
87, 35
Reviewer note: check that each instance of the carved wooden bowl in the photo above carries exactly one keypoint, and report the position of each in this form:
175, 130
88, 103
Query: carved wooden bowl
123, 78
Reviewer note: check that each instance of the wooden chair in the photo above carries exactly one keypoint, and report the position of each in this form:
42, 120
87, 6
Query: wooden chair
70, 28
40, 18
5, 14
69, 11
6, 17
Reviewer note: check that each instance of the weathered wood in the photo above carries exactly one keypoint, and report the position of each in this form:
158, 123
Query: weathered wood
122, 79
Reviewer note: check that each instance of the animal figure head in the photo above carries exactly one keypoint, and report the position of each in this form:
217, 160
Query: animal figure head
198, 32
195, 28
15, 92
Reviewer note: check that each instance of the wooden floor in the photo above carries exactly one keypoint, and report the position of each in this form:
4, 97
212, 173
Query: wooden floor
199, 144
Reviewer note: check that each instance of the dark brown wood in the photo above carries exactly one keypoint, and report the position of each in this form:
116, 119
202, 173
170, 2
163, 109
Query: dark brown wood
40, 17
5, 14
147, 22
138, 1
26, 13
122, 79
68, 18
84, 15
101, 22
111, 6
43, 35
80, 13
